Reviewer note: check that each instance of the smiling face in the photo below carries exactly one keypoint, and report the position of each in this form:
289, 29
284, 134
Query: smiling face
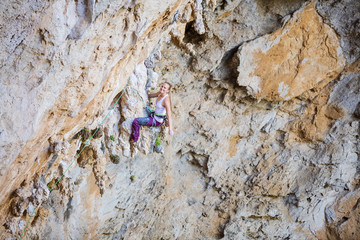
164, 88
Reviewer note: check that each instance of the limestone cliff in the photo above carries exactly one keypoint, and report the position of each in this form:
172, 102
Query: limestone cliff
265, 105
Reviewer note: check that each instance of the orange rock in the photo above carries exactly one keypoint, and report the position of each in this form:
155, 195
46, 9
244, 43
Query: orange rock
300, 56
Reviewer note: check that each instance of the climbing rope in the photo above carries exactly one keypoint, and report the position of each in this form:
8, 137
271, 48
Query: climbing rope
137, 95
86, 144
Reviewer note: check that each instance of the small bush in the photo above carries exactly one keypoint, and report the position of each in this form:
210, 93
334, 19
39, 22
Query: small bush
115, 159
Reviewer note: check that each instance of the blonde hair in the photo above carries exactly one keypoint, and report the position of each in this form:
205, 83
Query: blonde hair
170, 86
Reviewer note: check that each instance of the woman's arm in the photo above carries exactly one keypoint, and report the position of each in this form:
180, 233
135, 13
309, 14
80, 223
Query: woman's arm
152, 95
168, 112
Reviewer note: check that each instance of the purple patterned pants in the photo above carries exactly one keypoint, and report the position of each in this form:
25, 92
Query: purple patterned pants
143, 121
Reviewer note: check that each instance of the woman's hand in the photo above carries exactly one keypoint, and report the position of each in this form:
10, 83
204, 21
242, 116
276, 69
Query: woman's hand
152, 95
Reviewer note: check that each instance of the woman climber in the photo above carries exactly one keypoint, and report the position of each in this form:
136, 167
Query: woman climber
155, 119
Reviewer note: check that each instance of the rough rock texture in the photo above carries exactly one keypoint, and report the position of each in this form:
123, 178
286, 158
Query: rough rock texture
63, 79
343, 16
298, 57
266, 116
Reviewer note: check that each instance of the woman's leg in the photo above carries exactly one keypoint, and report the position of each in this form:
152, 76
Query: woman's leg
144, 121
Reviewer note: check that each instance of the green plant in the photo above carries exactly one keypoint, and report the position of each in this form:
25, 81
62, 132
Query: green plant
49, 186
158, 141
112, 138
115, 159
132, 178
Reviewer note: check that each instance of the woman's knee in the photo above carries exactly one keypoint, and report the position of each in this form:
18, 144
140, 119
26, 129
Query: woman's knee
135, 122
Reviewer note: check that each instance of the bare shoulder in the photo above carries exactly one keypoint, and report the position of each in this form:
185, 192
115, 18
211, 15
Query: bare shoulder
167, 101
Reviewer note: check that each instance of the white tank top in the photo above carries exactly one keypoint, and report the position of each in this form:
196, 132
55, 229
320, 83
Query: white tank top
160, 110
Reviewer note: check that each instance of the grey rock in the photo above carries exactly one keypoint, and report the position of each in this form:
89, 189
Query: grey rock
344, 17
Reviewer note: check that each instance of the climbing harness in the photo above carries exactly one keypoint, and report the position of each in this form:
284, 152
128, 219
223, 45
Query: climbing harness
152, 112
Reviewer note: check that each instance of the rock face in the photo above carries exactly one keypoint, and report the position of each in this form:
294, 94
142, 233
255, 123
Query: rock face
266, 111
297, 57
